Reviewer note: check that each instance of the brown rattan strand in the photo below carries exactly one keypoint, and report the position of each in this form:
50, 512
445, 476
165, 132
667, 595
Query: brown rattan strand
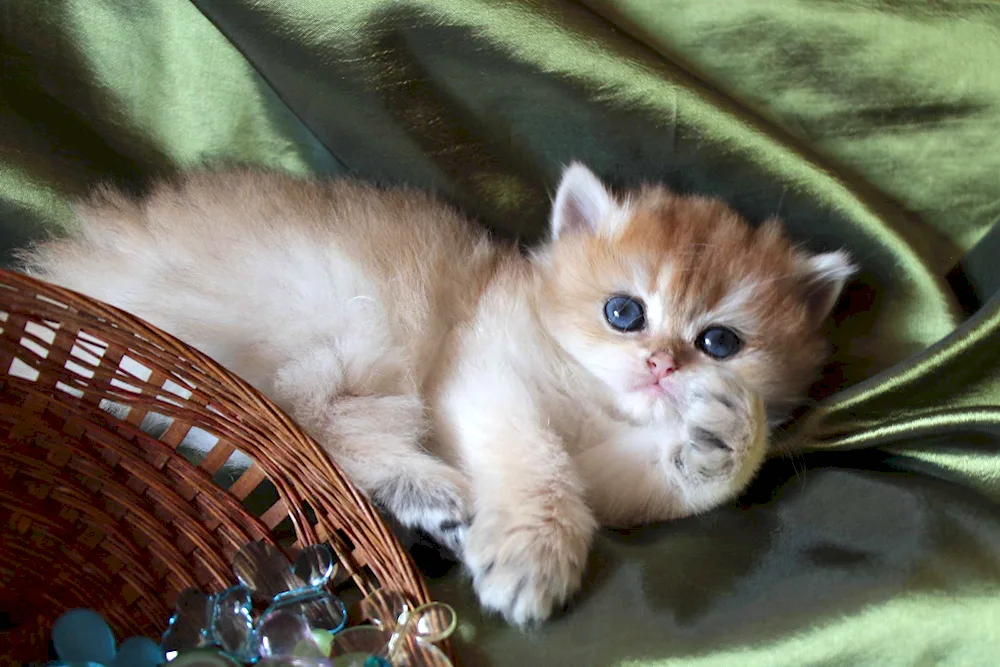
97, 513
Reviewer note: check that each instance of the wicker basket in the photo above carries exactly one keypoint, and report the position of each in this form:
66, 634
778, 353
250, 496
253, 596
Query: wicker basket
96, 513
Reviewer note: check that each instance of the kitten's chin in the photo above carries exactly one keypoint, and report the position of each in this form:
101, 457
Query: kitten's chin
648, 405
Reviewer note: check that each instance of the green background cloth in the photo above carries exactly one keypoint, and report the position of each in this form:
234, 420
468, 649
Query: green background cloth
868, 124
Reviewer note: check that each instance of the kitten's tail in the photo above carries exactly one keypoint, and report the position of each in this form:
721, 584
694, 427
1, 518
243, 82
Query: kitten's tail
108, 253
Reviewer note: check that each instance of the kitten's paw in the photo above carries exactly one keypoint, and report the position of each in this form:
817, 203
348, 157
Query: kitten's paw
435, 501
524, 563
725, 440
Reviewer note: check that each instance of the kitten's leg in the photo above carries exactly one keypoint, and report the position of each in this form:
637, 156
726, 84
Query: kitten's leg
640, 474
529, 540
372, 428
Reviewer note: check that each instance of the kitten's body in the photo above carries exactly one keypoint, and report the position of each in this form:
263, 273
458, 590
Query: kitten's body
384, 323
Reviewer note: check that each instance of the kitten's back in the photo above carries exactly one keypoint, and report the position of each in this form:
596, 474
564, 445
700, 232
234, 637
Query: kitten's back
252, 266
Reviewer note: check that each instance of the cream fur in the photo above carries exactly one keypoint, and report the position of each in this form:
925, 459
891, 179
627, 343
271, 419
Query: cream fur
421, 355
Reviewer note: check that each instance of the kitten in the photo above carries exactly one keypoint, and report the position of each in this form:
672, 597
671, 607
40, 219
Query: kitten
506, 404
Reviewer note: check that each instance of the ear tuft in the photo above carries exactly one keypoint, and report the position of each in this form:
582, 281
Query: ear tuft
824, 277
582, 203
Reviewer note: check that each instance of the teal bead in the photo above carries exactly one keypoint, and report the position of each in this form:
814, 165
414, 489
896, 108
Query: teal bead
82, 635
138, 652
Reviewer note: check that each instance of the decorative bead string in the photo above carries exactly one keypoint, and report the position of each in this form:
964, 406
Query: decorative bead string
302, 625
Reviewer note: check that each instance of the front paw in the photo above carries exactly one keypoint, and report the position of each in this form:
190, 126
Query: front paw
725, 440
526, 563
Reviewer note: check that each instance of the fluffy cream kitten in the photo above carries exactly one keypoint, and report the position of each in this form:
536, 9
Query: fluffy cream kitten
506, 404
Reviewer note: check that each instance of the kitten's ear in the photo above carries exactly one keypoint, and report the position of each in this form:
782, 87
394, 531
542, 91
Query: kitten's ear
582, 203
823, 278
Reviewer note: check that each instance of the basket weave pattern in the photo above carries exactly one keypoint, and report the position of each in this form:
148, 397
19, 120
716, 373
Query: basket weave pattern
96, 513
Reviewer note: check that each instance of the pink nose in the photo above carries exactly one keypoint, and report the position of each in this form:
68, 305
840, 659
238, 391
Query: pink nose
661, 365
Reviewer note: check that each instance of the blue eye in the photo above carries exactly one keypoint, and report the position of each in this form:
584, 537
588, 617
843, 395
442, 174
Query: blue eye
718, 342
625, 313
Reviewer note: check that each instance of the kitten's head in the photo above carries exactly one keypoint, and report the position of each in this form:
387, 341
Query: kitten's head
649, 290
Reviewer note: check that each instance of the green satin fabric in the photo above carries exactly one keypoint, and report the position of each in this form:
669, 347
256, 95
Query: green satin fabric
867, 124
